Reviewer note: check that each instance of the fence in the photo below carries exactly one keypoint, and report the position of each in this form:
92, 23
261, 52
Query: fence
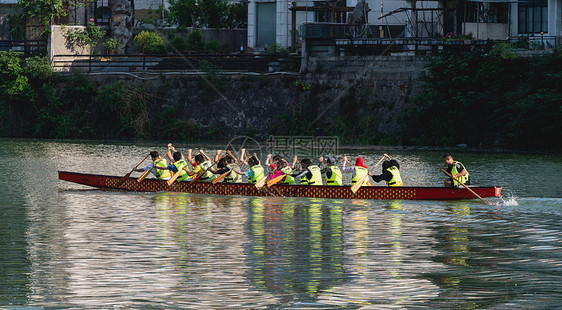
28, 48
187, 62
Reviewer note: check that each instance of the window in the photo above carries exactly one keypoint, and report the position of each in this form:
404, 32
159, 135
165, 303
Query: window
330, 15
533, 17
486, 12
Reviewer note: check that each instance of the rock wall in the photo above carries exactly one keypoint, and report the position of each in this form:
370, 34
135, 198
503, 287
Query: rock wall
364, 96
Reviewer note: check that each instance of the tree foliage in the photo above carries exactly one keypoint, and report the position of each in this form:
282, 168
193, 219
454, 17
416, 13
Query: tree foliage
208, 14
489, 100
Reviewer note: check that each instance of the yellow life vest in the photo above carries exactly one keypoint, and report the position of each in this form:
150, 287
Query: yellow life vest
396, 178
232, 177
207, 176
288, 179
258, 173
336, 177
180, 164
161, 173
359, 173
316, 178
454, 171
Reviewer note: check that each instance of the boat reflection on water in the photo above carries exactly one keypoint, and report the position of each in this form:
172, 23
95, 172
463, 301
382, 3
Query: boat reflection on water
295, 248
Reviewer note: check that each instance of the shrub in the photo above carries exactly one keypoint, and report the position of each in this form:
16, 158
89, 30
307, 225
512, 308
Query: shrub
88, 37
214, 46
112, 46
179, 43
149, 42
195, 40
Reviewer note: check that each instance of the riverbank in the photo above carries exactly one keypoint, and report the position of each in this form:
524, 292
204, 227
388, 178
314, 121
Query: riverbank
477, 100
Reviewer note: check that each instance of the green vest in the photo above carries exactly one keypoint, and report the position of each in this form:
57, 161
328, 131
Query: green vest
258, 173
207, 176
316, 178
336, 177
180, 164
232, 177
161, 173
396, 178
288, 179
359, 173
454, 171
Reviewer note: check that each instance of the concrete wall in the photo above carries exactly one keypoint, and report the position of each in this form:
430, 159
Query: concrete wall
488, 30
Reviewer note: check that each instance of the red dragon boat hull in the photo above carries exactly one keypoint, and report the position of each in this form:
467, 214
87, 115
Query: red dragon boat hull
245, 189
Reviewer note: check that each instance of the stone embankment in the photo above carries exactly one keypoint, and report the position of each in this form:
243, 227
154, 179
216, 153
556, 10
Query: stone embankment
372, 91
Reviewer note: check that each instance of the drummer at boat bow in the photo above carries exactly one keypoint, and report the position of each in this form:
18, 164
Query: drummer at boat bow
390, 173
157, 161
457, 170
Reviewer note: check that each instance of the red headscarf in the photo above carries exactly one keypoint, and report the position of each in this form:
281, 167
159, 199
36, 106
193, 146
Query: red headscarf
359, 162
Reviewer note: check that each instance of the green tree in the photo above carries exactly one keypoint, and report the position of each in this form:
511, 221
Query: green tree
208, 13
45, 10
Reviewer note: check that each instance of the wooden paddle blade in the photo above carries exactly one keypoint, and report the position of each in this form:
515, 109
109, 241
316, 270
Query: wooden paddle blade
173, 178
358, 184
122, 180
220, 177
275, 180
143, 176
261, 182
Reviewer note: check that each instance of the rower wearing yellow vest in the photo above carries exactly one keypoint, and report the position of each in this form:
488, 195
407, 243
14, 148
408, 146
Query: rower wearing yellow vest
310, 173
227, 164
333, 172
178, 164
390, 173
457, 170
157, 161
202, 170
359, 170
256, 171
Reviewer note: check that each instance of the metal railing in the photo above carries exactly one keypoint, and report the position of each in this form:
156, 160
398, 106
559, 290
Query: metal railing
182, 62
28, 48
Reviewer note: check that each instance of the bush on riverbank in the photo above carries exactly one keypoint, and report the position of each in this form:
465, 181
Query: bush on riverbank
480, 100
489, 100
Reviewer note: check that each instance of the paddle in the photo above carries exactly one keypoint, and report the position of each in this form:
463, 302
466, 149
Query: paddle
360, 182
145, 174
275, 180
129, 174
220, 177
176, 175
197, 177
450, 175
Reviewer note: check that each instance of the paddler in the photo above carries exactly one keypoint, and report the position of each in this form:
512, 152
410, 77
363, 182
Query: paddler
157, 161
228, 164
310, 173
457, 170
178, 164
202, 171
256, 171
332, 171
359, 170
283, 168
390, 173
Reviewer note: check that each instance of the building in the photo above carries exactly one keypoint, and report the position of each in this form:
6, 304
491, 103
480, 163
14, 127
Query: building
279, 22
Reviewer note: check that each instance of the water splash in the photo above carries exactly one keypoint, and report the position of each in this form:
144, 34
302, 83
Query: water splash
511, 202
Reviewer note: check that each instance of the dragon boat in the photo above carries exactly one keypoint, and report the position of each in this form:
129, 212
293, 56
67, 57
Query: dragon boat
307, 191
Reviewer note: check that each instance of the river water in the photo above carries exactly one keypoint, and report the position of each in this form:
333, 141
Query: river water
69, 246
